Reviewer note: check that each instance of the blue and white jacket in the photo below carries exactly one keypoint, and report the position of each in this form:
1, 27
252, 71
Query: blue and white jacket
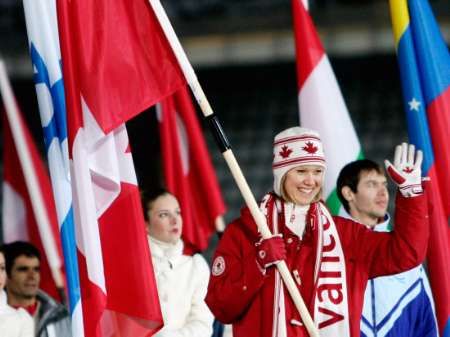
399, 305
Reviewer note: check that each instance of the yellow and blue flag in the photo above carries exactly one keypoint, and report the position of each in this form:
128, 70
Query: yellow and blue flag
424, 62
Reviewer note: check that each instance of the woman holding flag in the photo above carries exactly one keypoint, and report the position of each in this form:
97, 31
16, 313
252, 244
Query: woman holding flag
181, 279
330, 258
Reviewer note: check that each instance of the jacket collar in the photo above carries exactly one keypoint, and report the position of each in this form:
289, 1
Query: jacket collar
380, 227
384, 226
166, 250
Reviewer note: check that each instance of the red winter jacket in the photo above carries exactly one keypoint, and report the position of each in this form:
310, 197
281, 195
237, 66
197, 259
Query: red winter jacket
239, 293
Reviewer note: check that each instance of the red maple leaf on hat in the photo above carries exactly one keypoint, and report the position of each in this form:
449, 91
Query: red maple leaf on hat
310, 148
285, 151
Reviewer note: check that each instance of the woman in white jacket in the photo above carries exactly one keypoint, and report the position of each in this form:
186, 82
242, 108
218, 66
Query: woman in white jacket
13, 323
182, 280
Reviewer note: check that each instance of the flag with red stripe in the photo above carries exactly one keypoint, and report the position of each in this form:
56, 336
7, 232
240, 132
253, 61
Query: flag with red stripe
19, 218
188, 170
321, 104
424, 62
116, 63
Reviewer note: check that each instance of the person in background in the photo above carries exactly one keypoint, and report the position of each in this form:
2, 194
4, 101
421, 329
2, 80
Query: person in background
13, 322
329, 258
396, 305
181, 279
23, 279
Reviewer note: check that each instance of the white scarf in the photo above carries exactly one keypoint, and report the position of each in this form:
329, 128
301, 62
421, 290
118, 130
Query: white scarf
166, 253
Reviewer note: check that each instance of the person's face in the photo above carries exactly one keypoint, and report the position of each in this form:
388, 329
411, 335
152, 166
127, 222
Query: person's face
303, 183
2, 271
369, 204
165, 222
25, 277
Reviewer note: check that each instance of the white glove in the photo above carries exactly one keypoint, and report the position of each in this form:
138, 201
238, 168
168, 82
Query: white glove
406, 171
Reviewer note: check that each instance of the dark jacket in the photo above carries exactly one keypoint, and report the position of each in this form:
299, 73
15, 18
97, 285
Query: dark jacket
53, 319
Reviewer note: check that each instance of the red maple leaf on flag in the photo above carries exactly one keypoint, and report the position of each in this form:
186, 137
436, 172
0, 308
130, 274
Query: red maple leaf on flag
310, 148
285, 151
408, 169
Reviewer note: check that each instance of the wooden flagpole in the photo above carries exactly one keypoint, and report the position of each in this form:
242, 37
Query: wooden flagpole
227, 153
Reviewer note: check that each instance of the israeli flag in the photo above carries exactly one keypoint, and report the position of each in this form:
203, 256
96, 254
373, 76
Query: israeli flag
42, 28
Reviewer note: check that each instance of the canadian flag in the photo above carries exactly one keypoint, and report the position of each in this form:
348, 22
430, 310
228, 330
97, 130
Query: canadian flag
188, 170
28, 209
116, 63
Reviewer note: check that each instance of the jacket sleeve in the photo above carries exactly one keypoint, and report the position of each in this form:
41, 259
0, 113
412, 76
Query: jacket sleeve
235, 277
200, 319
399, 250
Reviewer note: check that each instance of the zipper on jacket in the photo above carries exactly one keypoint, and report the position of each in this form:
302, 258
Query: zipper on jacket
374, 319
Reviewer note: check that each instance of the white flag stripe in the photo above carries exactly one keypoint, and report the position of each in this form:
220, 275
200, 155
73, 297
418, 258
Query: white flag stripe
85, 212
102, 158
13, 215
77, 321
183, 143
58, 172
32, 183
45, 103
306, 4
126, 165
322, 108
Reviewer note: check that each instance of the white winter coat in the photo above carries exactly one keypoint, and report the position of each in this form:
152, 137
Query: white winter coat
182, 282
14, 322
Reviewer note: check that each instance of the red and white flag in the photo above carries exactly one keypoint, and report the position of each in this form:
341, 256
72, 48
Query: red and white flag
188, 170
116, 63
26, 191
321, 104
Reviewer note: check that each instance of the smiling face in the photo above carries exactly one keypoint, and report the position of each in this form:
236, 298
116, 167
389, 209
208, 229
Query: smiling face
165, 222
369, 204
302, 184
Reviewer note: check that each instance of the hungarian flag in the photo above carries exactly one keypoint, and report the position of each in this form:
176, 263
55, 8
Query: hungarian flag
28, 208
188, 171
321, 104
424, 62
116, 63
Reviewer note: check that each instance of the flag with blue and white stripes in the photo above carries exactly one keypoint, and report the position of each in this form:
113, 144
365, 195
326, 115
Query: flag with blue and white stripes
43, 40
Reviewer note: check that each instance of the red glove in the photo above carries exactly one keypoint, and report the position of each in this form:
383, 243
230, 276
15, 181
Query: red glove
270, 251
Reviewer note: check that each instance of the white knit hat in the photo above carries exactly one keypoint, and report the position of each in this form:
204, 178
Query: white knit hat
294, 147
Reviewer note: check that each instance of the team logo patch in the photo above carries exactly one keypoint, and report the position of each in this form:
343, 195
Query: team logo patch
218, 266
262, 254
